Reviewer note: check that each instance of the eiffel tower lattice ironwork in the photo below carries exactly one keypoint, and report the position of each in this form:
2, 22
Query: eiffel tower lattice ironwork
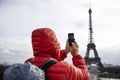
91, 46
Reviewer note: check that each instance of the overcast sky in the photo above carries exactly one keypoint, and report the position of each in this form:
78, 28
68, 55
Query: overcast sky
18, 18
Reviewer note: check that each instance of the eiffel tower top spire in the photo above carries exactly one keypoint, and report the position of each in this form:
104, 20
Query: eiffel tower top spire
90, 26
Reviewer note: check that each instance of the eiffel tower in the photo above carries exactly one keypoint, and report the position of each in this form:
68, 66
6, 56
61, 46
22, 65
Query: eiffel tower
91, 46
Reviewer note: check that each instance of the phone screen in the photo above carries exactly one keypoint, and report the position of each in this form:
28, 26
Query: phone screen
71, 38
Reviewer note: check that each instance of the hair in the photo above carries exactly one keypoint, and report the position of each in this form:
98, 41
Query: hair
2, 69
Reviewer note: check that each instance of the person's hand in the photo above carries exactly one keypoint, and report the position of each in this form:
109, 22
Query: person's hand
67, 47
74, 49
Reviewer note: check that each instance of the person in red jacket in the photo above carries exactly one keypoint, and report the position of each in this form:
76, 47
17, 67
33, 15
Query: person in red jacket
45, 46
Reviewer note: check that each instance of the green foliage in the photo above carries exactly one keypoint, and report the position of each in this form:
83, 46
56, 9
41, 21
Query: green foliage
93, 70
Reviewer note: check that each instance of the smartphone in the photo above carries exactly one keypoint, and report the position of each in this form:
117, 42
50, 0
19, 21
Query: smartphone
71, 38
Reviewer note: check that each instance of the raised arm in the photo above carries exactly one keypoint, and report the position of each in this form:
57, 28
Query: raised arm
79, 70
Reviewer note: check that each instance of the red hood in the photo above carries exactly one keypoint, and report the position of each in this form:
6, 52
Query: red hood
44, 41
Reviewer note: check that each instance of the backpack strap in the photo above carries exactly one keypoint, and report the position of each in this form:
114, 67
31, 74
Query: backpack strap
48, 64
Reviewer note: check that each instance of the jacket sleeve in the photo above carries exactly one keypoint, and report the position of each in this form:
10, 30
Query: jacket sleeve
63, 55
79, 70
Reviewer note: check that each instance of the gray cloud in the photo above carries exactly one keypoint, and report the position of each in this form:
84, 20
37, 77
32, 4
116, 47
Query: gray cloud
14, 51
10, 56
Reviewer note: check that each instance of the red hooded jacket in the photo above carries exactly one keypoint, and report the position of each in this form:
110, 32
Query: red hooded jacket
45, 46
